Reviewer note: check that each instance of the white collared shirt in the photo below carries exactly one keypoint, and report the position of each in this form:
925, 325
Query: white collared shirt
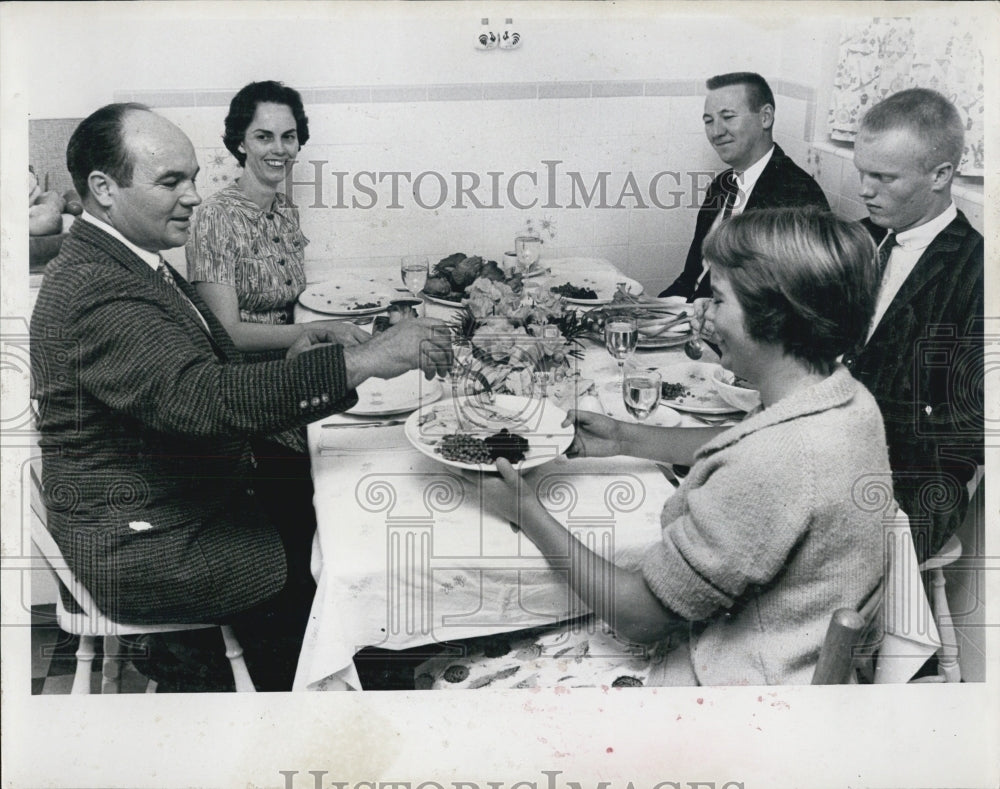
747, 180
910, 245
152, 258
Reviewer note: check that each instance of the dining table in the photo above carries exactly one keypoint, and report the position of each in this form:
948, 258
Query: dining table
404, 554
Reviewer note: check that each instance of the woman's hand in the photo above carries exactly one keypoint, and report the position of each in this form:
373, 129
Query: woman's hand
509, 495
701, 320
343, 332
596, 435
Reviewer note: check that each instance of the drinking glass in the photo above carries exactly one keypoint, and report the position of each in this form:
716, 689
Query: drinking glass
621, 335
528, 250
641, 391
413, 269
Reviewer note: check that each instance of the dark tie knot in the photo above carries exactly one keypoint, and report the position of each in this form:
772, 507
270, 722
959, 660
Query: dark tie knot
884, 252
730, 182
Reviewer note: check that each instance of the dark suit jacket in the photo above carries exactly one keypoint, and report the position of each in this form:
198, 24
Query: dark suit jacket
145, 421
781, 184
924, 364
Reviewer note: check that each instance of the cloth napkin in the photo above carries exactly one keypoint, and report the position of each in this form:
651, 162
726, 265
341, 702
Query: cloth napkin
910, 633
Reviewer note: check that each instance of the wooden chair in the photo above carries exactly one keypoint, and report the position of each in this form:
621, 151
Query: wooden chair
89, 623
847, 650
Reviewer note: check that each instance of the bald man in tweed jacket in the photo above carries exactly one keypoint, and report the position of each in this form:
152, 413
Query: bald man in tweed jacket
146, 408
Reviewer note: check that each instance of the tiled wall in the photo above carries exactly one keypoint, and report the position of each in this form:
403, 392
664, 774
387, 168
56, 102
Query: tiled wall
636, 127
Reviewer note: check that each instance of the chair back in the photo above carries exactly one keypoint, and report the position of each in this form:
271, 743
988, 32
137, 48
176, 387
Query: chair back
846, 648
90, 620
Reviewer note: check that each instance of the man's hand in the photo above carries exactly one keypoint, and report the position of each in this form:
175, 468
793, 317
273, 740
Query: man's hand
596, 435
313, 335
423, 343
345, 332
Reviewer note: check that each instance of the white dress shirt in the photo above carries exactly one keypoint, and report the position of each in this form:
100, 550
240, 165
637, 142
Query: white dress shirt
910, 245
152, 259
745, 182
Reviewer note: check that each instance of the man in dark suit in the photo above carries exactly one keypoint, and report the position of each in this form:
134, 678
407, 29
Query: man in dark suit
923, 360
739, 116
146, 408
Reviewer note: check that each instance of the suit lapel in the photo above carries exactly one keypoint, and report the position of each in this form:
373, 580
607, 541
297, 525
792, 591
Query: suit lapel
769, 180
931, 265
215, 331
121, 254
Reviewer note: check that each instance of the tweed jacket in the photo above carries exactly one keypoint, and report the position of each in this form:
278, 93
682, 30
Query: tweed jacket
924, 365
774, 528
782, 184
144, 420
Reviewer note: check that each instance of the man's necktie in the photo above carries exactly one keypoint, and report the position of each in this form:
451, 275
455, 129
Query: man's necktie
731, 187
168, 277
884, 253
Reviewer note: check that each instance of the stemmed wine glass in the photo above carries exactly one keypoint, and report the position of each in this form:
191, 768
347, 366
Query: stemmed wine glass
621, 335
528, 250
413, 269
641, 391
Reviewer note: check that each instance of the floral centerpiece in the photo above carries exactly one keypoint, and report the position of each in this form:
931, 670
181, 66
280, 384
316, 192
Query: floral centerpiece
521, 334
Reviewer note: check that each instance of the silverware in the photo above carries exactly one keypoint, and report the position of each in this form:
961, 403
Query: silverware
694, 348
380, 423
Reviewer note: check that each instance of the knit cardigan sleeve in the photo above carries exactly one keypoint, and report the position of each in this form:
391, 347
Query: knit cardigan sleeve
733, 526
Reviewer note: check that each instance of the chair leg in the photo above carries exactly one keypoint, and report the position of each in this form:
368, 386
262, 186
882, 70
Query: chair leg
234, 652
111, 667
84, 664
948, 666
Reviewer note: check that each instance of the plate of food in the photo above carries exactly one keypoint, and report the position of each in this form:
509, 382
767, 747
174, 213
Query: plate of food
450, 277
399, 395
592, 288
470, 432
691, 387
349, 297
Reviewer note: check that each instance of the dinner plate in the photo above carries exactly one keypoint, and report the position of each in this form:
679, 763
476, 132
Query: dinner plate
702, 396
399, 395
604, 283
539, 421
345, 297
438, 300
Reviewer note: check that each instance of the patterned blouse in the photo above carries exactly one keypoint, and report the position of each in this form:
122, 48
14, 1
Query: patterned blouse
260, 253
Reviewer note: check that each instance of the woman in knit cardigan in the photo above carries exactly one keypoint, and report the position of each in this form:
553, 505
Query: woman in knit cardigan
767, 535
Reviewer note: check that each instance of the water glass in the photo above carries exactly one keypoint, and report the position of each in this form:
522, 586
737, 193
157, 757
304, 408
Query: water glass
621, 335
528, 250
641, 391
414, 269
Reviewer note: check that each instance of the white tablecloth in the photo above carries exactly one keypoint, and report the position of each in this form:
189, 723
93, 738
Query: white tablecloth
404, 555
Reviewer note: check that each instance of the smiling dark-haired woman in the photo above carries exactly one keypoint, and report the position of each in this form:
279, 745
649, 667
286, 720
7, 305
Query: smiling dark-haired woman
246, 251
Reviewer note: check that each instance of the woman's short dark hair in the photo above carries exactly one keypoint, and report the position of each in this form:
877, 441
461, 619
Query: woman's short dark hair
804, 278
244, 105
98, 144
